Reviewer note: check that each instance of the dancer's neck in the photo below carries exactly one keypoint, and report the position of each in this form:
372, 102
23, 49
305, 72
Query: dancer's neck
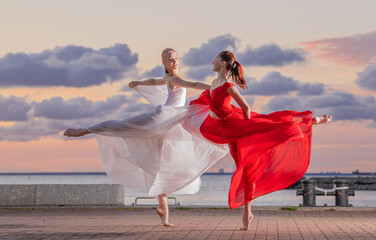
174, 73
222, 76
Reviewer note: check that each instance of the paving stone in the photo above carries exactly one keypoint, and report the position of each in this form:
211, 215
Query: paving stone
143, 223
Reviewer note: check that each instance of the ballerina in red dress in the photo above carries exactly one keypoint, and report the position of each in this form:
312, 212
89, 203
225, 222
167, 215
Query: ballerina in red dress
271, 151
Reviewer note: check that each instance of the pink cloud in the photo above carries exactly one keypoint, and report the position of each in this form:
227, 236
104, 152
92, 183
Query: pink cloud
355, 50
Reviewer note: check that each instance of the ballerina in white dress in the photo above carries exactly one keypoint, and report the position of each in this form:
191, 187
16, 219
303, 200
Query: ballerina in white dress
152, 150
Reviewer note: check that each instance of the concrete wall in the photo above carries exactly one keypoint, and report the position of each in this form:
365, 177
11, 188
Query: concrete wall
62, 195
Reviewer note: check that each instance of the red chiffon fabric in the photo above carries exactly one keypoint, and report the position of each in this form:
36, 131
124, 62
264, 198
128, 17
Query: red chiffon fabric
271, 151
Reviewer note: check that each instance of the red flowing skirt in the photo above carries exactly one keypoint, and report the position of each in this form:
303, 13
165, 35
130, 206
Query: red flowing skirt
271, 151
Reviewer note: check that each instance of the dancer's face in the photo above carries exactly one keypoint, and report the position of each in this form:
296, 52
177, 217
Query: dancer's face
171, 60
217, 64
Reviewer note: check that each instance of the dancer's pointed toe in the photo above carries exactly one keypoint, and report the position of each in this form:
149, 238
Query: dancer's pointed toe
162, 215
71, 132
322, 119
246, 224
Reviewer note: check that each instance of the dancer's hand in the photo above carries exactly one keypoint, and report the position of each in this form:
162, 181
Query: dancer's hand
133, 84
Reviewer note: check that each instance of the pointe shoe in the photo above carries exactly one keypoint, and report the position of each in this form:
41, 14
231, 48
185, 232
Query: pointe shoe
322, 119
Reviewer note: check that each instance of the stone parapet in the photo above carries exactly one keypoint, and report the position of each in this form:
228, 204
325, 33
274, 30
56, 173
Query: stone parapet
62, 195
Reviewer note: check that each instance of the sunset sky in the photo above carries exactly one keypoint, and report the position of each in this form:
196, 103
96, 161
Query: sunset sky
67, 64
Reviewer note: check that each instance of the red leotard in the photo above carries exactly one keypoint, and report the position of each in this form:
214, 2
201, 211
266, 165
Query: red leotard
271, 151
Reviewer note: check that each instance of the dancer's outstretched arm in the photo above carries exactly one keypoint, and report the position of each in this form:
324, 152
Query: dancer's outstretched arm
151, 81
233, 91
178, 82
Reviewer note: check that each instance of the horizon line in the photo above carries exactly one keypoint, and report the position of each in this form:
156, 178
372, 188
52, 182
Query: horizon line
104, 173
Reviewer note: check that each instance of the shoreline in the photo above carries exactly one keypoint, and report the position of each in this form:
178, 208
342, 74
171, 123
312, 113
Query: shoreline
329, 174
184, 208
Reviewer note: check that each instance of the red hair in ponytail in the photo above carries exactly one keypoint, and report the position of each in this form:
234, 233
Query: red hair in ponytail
235, 68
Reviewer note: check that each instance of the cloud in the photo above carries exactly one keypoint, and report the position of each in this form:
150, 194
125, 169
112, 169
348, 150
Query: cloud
283, 103
198, 60
341, 105
200, 73
355, 113
271, 55
73, 66
311, 89
54, 115
206, 53
30, 130
38, 128
135, 109
367, 78
157, 71
75, 108
13, 109
274, 83
249, 99
333, 99
355, 50
328, 100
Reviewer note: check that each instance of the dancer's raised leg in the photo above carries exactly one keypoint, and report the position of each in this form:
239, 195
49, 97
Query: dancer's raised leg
76, 132
162, 210
247, 216
321, 119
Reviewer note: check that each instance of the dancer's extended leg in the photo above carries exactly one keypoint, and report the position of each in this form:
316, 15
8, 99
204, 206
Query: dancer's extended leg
321, 119
76, 132
162, 210
247, 216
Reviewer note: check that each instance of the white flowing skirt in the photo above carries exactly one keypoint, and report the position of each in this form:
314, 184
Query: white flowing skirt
154, 152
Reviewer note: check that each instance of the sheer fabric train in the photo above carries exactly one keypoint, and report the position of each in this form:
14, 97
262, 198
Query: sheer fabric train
152, 150
271, 151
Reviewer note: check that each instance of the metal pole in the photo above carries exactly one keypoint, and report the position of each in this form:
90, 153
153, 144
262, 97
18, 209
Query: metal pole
342, 195
309, 192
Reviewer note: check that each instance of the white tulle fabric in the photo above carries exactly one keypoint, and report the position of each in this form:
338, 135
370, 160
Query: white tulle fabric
152, 150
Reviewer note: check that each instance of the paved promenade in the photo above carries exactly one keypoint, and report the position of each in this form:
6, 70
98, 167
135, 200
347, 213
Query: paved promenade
201, 223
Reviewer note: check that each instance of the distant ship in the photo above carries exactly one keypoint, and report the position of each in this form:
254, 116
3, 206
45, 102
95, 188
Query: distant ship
356, 172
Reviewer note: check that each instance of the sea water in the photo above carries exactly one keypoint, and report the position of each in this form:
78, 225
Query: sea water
213, 192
